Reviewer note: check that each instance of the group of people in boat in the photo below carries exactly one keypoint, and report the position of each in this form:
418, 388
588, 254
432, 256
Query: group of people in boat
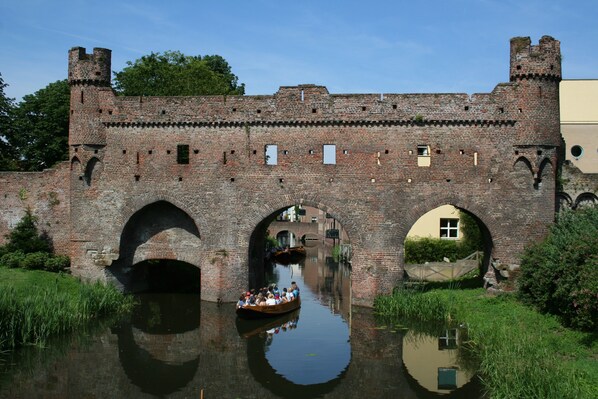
270, 295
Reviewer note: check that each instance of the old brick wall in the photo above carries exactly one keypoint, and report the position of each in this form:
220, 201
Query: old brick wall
490, 154
46, 194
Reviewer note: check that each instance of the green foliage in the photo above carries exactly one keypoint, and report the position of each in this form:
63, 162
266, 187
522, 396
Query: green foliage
25, 237
7, 154
40, 126
175, 74
560, 274
423, 249
35, 260
28, 250
35, 305
472, 239
521, 353
271, 242
57, 263
12, 259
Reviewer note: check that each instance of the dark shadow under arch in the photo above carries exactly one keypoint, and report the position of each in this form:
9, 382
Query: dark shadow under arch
92, 170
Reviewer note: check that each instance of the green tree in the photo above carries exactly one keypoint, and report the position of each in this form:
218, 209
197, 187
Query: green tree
25, 238
40, 127
7, 154
560, 274
175, 74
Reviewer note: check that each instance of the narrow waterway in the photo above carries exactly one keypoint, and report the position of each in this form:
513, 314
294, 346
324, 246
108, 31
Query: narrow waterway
176, 346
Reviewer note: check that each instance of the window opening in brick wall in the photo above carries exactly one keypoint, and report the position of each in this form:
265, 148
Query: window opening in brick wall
394, 106
137, 177
138, 158
182, 154
346, 152
271, 154
168, 151
150, 152
311, 152
329, 157
232, 151
285, 152
224, 157
475, 158
423, 155
81, 96
196, 151
124, 152
363, 108
449, 228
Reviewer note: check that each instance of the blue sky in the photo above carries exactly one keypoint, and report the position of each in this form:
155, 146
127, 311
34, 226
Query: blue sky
349, 46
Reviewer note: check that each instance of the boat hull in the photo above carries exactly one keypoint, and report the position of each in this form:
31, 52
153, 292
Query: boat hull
268, 311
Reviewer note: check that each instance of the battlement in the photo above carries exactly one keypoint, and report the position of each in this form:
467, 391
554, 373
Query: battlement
541, 61
94, 68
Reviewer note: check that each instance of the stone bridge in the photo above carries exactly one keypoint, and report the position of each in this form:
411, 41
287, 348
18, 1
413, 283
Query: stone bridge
199, 179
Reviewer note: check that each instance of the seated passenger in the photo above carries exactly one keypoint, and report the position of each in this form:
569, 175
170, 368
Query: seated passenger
284, 297
270, 300
241, 302
277, 299
295, 289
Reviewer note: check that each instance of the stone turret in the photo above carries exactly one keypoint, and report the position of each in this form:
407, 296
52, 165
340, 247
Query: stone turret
535, 62
89, 78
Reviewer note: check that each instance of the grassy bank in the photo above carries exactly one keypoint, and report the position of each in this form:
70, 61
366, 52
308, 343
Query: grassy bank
35, 305
522, 354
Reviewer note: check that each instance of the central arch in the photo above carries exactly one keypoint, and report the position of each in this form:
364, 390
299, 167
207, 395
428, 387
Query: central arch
262, 220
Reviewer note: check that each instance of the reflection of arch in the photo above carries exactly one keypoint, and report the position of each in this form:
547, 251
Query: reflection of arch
585, 199
263, 372
286, 237
152, 375
92, 170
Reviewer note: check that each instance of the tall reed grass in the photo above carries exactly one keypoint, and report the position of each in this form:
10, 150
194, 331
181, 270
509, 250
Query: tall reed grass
522, 353
32, 317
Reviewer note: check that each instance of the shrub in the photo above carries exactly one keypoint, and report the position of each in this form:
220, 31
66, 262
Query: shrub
25, 237
421, 250
35, 260
12, 259
560, 274
57, 263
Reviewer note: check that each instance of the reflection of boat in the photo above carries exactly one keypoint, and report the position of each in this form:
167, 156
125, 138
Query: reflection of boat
289, 255
249, 328
266, 311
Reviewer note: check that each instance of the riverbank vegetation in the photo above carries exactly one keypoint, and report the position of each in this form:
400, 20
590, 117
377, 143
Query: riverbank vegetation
35, 305
523, 341
521, 353
38, 304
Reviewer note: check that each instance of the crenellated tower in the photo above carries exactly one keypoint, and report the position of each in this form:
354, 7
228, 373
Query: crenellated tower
91, 93
536, 70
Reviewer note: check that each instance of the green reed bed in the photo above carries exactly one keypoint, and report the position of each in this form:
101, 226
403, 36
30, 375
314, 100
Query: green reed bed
35, 305
521, 353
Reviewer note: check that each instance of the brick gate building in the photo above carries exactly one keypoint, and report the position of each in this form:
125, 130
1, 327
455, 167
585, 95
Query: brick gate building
187, 178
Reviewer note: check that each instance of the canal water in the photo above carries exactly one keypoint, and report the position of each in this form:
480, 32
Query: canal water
176, 346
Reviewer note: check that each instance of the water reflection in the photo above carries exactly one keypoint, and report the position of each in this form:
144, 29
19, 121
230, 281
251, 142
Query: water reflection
174, 346
159, 346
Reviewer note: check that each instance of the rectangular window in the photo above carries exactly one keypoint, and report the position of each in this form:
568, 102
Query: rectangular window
449, 228
329, 154
182, 154
423, 155
271, 154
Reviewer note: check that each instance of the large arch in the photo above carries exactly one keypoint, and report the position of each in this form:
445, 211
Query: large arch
266, 214
479, 214
157, 231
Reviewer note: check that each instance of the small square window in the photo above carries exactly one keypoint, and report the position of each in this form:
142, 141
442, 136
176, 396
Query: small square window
449, 229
